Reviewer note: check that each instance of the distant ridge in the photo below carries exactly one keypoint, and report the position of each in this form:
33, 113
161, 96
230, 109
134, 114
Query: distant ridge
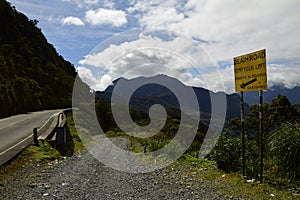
150, 94
292, 94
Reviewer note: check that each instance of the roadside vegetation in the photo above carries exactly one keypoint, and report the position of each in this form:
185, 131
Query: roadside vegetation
281, 142
231, 185
281, 125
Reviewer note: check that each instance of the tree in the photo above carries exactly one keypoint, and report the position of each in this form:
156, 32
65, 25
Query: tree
34, 22
104, 115
283, 111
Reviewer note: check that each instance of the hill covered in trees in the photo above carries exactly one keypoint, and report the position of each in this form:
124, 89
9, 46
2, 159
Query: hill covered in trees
33, 76
151, 94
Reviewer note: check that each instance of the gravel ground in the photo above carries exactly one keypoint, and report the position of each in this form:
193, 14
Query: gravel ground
83, 177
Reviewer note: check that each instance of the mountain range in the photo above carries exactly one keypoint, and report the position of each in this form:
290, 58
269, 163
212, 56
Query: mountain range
293, 94
150, 94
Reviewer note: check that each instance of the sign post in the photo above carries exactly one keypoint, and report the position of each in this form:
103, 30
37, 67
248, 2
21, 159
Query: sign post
261, 141
250, 72
243, 133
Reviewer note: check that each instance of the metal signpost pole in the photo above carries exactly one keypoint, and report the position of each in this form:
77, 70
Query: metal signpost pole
261, 135
243, 133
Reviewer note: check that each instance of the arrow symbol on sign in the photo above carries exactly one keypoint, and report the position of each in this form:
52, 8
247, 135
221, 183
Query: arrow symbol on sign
243, 85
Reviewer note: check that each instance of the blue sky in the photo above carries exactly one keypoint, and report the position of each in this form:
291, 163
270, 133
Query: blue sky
220, 29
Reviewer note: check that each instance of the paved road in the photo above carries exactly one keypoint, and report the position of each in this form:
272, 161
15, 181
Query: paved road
17, 128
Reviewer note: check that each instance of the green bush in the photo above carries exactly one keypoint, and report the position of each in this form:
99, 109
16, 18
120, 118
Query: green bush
252, 163
285, 147
227, 153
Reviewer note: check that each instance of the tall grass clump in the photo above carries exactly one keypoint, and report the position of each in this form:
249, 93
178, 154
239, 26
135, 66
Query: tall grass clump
285, 147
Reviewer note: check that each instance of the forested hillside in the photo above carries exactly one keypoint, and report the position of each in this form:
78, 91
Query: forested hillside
151, 94
32, 74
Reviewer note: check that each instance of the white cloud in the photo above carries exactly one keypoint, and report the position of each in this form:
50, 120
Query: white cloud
286, 74
155, 49
150, 55
91, 1
232, 27
157, 13
227, 79
72, 21
87, 4
87, 76
146, 5
103, 16
161, 17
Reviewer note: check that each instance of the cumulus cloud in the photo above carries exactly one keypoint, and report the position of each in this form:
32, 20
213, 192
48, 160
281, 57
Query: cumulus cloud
230, 27
103, 16
87, 4
72, 21
88, 77
150, 55
146, 5
153, 47
157, 13
91, 1
284, 74
180, 58
161, 17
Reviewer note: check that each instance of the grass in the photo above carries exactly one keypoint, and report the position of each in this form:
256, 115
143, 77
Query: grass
42, 154
228, 184
232, 184
78, 145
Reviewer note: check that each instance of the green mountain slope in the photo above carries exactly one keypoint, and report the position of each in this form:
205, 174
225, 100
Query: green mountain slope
32, 74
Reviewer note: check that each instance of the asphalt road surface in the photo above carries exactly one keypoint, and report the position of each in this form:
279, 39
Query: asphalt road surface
19, 127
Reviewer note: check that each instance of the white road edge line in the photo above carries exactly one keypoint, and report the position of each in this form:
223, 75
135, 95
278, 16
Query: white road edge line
12, 147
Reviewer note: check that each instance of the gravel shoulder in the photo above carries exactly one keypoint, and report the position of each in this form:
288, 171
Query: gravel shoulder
83, 177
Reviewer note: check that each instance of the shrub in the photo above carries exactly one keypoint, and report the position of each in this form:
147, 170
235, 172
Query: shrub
252, 164
227, 153
285, 147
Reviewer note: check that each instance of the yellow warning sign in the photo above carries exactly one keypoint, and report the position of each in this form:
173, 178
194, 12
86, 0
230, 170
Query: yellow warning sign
250, 71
